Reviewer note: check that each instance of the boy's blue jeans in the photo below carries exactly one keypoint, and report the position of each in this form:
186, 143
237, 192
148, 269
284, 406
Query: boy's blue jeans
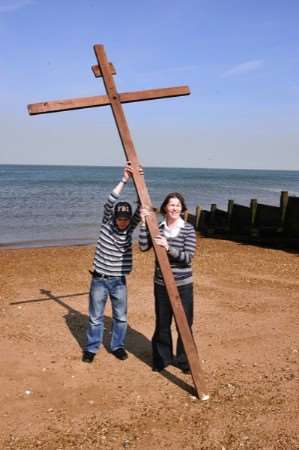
100, 289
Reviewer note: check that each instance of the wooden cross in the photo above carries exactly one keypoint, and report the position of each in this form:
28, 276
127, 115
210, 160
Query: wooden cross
106, 70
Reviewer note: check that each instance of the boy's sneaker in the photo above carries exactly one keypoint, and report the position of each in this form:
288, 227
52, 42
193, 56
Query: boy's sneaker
88, 356
120, 353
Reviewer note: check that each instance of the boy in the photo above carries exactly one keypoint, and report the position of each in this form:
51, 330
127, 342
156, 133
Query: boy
112, 262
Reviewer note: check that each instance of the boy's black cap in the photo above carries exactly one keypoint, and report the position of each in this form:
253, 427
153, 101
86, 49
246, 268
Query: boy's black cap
123, 209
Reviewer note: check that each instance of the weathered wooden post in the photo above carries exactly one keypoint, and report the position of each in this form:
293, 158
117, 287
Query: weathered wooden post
291, 222
253, 209
212, 219
230, 206
115, 100
284, 198
197, 216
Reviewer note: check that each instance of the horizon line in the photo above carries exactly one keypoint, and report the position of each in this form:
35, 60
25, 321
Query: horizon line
149, 167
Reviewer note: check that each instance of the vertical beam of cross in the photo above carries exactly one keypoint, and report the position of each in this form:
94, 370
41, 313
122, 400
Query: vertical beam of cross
106, 71
143, 194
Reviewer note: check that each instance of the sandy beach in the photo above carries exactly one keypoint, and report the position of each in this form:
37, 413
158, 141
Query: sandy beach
246, 330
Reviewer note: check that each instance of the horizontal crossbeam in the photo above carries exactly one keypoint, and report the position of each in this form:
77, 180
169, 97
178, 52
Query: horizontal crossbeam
103, 100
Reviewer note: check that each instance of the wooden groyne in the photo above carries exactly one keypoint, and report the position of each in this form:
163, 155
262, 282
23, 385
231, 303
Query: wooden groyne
257, 222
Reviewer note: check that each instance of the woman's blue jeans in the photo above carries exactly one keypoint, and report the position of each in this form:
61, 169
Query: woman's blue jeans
100, 289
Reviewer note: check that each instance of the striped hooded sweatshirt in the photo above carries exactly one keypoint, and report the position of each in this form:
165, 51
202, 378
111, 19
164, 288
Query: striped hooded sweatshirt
113, 255
180, 253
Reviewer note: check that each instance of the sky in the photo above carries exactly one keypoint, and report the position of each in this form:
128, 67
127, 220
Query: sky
240, 59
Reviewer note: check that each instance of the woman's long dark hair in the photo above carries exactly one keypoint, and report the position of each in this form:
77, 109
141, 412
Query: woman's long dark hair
173, 195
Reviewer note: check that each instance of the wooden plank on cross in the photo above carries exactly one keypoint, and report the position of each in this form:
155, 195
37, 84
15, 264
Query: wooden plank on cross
103, 100
106, 70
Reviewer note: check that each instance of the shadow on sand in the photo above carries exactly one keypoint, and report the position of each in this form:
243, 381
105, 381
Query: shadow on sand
136, 343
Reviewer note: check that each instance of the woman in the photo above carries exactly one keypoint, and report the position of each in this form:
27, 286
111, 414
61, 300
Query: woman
179, 240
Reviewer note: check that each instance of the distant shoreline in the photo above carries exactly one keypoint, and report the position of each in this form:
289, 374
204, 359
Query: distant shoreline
46, 244
148, 167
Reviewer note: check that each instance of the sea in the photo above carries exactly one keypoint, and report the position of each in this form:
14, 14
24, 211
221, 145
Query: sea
63, 205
